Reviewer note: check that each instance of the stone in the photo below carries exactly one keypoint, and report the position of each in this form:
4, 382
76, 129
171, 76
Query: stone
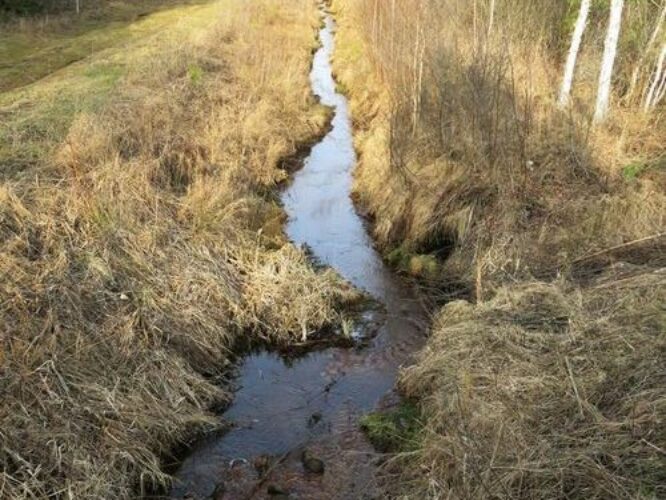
276, 492
262, 463
314, 419
219, 492
311, 463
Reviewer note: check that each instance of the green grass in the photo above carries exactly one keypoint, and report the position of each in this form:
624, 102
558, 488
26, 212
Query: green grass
632, 171
35, 118
195, 73
35, 48
394, 431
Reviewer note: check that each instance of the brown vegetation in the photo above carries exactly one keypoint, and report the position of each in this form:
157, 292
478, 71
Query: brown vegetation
141, 240
550, 385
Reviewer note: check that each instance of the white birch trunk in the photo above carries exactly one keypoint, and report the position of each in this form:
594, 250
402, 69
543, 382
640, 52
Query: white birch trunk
78, 6
653, 95
608, 61
661, 93
491, 17
648, 48
576, 40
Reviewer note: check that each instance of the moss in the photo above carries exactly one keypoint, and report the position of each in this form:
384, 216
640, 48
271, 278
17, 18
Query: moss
341, 88
398, 257
424, 266
418, 265
394, 431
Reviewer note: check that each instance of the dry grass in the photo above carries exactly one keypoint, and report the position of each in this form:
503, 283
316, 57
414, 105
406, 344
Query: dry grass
546, 391
461, 142
141, 241
32, 47
471, 174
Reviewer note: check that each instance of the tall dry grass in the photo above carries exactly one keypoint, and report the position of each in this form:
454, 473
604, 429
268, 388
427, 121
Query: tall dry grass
547, 383
141, 242
461, 120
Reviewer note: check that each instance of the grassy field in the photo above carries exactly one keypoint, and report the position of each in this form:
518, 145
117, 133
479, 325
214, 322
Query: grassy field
140, 236
547, 380
32, 48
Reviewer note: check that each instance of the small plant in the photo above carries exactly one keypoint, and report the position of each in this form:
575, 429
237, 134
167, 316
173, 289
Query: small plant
632, 171
195, 73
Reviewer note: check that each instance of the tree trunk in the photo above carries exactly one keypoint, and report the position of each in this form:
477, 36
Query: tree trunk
608, 61
491, 17
636, 73
653, 95
78, 6
661, 92
570, 68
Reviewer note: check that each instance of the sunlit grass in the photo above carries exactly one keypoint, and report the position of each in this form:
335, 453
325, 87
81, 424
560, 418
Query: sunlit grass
139, 241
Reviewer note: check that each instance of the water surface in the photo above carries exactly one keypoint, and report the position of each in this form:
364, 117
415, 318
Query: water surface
284, 404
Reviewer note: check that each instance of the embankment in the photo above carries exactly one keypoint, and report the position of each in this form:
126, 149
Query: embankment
141, 240
548, 381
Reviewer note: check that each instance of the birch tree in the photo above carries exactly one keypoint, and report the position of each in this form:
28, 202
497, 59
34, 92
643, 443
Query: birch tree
570, 68
636, 73
655, 92
608, 61
661, 90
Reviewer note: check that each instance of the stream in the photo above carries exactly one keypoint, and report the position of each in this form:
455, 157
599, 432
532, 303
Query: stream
285, 405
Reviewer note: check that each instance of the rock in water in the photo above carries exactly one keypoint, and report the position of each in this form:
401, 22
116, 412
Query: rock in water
262, 463
219, 492
276, 492
312, 463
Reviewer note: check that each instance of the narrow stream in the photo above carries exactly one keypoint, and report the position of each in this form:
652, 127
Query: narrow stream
285, 405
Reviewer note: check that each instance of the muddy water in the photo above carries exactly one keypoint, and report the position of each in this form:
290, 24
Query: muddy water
286, 405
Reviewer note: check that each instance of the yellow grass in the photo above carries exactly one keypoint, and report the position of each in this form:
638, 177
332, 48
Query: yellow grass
555, 230
34, 47
141, 241
545, 391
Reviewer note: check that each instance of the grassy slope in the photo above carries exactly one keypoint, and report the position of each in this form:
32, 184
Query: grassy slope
551, 383
32, 48
140, 240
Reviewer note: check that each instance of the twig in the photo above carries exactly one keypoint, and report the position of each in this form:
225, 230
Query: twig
573, 383
617, 247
